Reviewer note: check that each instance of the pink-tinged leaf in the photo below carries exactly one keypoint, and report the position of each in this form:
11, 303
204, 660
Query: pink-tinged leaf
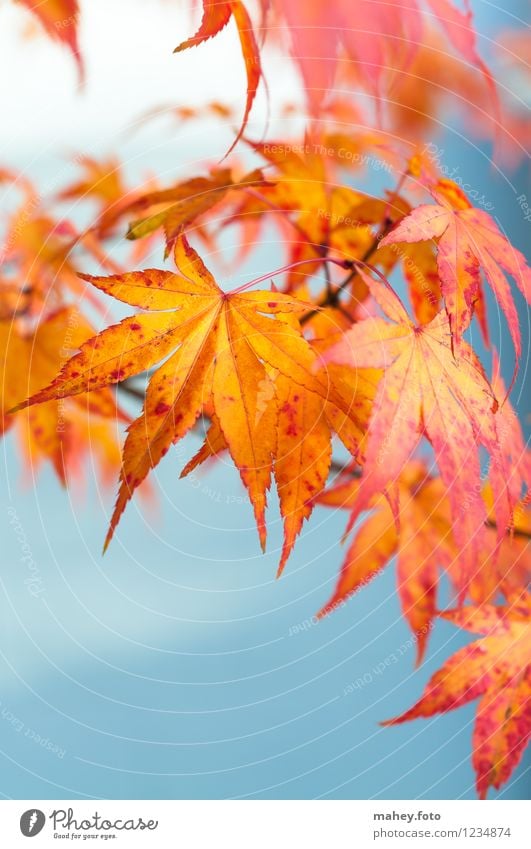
426, 389
314, 34
422, 544
501, 732
461, 34
379, 37
496, 669
468, 239
371, 549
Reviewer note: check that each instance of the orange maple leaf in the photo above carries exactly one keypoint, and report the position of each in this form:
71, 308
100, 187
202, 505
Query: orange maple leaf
220, 349
40, 248
176, 208
305, 423
495, 669
60, 431
302, 451
422, 543
216, 16
59, 18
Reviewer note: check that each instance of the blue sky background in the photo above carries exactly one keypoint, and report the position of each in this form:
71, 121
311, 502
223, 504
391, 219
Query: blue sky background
177, 666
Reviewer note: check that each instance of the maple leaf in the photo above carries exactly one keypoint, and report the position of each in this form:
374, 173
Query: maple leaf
414, 108
217, 347
426, 390
59, 18
379, 40
468, 239
459, 28
495, 669
216, 16
305, 423
184, 203
422, 543
302, 450
40, 247
59, 431
101, 180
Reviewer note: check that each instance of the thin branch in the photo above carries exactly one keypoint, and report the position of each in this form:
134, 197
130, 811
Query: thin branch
132, 391
332, 296
326, 270
515, 532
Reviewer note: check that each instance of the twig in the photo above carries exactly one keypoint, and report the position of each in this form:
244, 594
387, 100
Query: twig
132, 391
331, 297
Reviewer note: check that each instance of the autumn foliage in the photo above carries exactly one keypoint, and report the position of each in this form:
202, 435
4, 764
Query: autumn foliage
347, 376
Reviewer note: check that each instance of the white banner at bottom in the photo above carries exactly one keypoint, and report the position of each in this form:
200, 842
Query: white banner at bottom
265, 824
